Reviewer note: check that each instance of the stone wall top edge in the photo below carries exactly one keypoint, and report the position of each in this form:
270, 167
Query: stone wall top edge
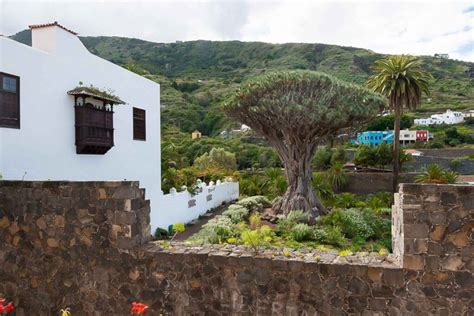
269, 257
406, 187
37, 183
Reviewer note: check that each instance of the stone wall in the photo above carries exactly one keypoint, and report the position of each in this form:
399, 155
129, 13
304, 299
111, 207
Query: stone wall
59, 248
363, 183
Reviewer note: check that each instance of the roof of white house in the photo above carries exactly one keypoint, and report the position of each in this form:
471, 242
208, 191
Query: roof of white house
55, 23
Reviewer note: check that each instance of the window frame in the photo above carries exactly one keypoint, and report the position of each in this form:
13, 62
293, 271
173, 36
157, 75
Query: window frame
17, 78
134, 118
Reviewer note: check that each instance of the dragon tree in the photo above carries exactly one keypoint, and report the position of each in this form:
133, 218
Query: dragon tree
295, 111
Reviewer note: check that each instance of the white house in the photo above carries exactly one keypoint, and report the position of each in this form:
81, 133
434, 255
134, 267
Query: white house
407, 136
469, 113
66, 114
449, 117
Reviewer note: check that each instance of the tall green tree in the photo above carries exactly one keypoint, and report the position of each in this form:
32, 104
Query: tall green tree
403, 81
295, 111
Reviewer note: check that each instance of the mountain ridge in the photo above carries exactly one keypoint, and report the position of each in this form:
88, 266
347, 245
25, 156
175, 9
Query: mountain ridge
196, 76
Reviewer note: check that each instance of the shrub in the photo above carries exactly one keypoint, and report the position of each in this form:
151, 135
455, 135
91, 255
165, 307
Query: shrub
322, 158
161, 233
178, 228
320, 235
254, 203
286, 223
257, 237
345, 200
217, 230
351, 222
334, 236
301, 232
339, 156
255, 221
236, 213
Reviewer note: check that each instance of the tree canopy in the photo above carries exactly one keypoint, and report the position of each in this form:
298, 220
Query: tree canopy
295, 111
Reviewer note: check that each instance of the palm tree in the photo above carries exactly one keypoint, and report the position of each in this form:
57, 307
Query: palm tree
402, 80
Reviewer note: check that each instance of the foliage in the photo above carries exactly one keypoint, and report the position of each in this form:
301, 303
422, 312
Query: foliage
236, 213
453, 137
161, 233
378, 156
403, 81
433, 173
386, 122
65, 312
178, 228
322, 158
216, 230
337, 177
254, 203
217, 159
256, 237
286, 223
320, 104
301, 232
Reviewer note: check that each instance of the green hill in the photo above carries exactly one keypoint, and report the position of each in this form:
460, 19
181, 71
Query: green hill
197, 76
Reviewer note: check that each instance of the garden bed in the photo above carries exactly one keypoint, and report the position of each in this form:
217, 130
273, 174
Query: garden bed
353, 225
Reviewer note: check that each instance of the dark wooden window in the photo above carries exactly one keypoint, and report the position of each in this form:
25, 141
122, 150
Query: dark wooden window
9, 100
94, 129
139, 124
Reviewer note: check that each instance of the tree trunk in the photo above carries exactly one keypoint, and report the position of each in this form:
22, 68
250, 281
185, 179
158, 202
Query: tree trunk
300, 194
396, 149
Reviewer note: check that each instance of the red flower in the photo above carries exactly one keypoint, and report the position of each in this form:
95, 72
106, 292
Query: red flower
138, 308
6, 308
9, 308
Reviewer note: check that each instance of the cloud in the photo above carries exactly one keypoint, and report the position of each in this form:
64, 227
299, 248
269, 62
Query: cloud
420, 28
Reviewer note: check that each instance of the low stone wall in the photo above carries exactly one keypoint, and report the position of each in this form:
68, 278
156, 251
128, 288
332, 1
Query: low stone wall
363, 183
90, 271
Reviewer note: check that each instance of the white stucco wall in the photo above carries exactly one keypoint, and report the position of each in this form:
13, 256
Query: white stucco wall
178, 208
44, 147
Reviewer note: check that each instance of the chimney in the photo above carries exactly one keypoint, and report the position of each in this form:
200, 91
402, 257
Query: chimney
54, 38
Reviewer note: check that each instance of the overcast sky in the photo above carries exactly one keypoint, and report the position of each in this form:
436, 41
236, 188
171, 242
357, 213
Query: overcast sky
420, 28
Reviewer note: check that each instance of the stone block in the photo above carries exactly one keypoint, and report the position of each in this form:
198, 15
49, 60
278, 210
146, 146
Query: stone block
451, 263
437, 234
416, 230
413, 262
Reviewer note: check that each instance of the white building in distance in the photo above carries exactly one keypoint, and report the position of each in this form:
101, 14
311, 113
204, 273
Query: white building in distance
449, 117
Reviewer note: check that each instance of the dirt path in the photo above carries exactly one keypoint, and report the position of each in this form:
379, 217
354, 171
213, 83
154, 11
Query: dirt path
191, 229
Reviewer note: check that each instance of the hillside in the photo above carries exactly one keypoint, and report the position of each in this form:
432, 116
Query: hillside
197, 76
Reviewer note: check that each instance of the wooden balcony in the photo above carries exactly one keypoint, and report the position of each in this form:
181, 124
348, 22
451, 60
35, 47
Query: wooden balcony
94, 130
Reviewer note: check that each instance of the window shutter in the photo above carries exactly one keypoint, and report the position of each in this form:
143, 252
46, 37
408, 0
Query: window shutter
139, 124
9, 101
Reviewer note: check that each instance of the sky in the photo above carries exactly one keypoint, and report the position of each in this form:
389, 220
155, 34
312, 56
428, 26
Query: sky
391, 27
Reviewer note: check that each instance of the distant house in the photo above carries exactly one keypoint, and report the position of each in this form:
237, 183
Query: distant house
443, 56
413, 152
449, 117
227, 133
469, 113
374, 138
407, 136
422, 135
196, 134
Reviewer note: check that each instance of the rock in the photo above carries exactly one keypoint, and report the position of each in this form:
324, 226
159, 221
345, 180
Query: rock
59, 221
53, 243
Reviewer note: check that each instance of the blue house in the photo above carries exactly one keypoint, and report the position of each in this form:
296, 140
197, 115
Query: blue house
374, 138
